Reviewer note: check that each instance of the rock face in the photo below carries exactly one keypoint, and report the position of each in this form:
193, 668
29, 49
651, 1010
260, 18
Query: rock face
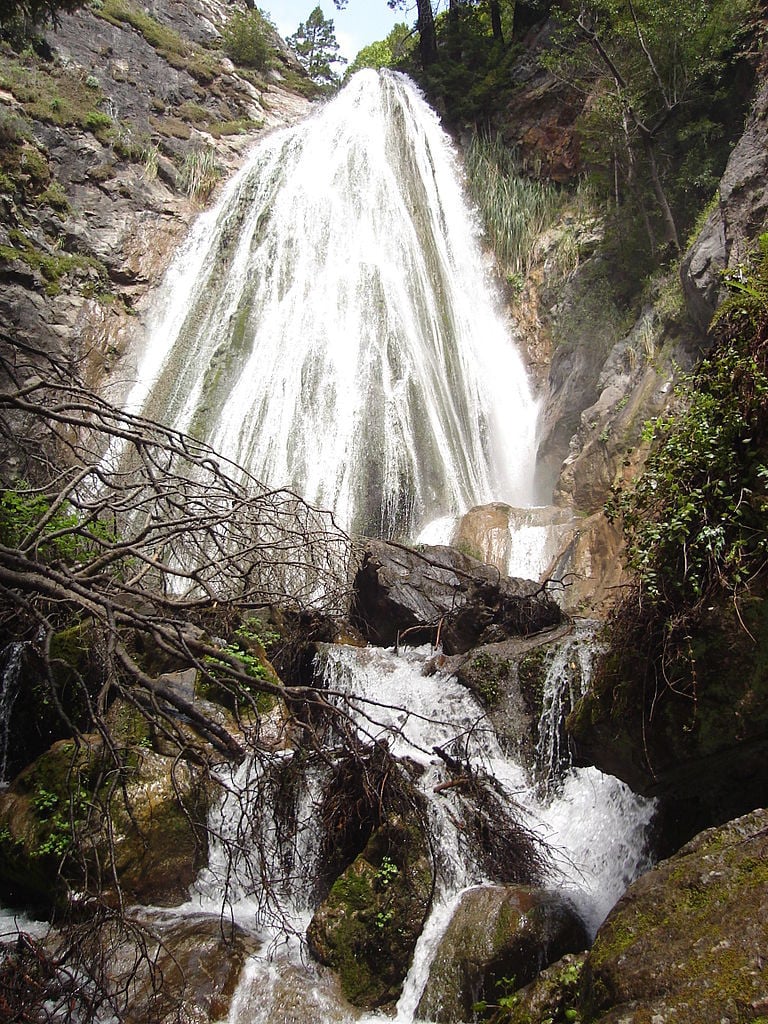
738, 217
440, 594
98, 152
367, 927
498, 936
698, 741
684, 945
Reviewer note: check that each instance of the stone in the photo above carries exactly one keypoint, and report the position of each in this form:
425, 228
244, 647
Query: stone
155, 845
197, 961
366, 928
739, 216
687, 941
499, 938
698, 739
437, 594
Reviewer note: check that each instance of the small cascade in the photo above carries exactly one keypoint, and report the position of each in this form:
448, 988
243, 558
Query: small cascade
567, 680
330, 325
593, 825
11, 660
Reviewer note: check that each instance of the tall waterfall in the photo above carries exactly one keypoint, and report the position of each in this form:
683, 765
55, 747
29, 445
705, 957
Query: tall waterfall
330, 326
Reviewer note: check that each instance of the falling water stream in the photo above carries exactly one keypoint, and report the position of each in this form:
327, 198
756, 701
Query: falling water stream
331, 327
594, 825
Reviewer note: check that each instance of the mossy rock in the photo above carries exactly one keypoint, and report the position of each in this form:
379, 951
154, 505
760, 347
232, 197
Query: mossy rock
367, 927
552, 997
73, 820
696, 734
498, 939
38, 814
687, 941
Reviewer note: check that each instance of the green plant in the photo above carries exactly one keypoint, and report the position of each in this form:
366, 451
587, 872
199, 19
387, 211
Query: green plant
31, 521
199, 173
515, 209
697, 519
246, 39
387, 872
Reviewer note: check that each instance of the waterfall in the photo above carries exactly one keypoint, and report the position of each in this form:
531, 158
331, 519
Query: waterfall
11, 660
594, 825
330, 325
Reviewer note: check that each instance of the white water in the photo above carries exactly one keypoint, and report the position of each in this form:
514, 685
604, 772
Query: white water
330, 327
595, 827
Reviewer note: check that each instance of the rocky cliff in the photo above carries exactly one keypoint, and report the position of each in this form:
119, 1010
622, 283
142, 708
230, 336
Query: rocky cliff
115, 130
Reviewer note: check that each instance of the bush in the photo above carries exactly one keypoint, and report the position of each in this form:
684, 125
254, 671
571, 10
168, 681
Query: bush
247, 40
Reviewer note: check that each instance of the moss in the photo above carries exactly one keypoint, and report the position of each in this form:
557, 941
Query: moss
532, 674
178, 52
53, 267
57, 94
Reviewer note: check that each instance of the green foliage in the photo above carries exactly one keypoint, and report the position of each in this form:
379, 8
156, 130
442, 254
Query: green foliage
55, 94
31, 521
515, 208
200, 172
662, 106
697, 520
247, 41
20, 19
387, 872
314, 43
386, 53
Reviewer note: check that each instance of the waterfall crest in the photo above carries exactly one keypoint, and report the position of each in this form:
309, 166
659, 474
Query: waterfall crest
330, 325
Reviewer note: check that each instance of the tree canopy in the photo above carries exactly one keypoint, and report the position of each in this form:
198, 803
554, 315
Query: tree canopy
314, 43
642, 63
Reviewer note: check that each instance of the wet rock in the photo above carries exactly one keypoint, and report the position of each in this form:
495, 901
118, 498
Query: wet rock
697, 739
438, 594
155, 843
551, 997
687, 941
499, 938
507, 678
196, 963
367, 927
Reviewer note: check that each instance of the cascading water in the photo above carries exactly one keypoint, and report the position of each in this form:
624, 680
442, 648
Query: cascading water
330, 327
594, 826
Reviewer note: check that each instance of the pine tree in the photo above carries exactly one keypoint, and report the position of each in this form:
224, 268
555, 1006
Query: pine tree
315, 45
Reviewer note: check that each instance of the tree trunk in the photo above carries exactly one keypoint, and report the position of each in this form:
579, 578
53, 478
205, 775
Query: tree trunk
427, 35
670, 228
498, 32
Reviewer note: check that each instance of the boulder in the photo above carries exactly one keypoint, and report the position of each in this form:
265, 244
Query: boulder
196, 962
367, 927
687, 941
153, 846
437, 594
498, 939
696, 739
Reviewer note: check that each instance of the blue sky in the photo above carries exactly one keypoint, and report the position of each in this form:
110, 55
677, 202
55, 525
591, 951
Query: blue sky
363, 21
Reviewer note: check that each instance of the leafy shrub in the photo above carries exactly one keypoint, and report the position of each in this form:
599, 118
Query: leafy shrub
697, 520
246, 39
